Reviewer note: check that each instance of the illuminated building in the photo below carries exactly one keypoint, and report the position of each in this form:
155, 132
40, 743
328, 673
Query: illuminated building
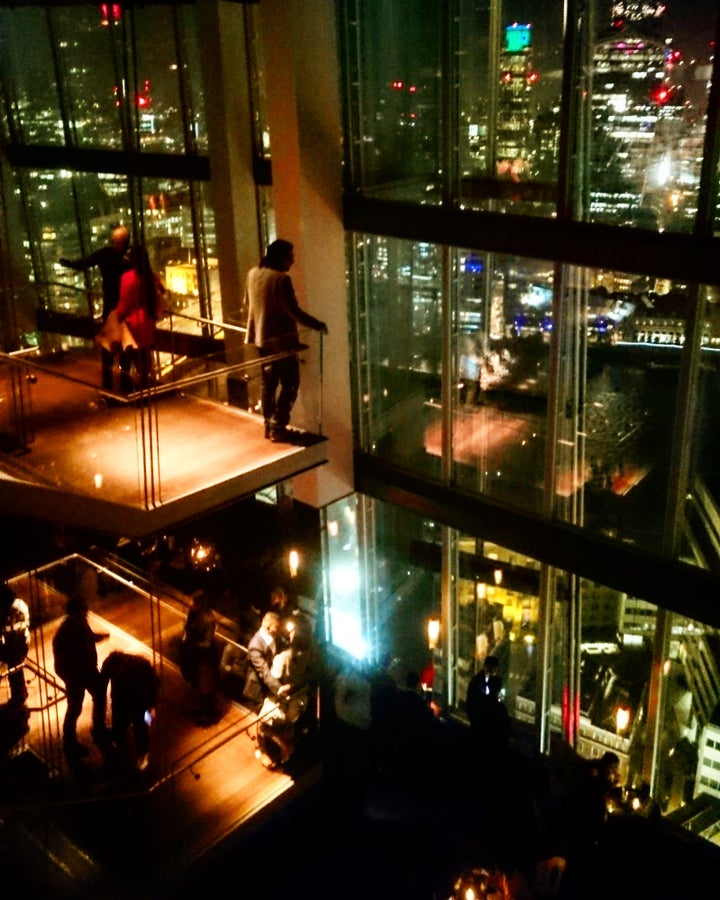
584, 470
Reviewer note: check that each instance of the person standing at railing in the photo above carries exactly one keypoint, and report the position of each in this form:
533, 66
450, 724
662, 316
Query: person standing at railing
273, 317
139, 307
112, 261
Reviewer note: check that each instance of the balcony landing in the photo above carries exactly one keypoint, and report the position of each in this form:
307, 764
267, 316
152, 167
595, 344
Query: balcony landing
135, 469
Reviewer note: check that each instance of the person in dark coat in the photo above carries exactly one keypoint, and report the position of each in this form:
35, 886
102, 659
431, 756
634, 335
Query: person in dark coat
200, 660
112, 262
133, 698
260, 681
76, 663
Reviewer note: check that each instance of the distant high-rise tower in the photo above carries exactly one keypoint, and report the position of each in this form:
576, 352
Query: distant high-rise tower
516, 103
637, 119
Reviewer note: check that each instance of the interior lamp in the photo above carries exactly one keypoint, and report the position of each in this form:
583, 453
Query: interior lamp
433, 633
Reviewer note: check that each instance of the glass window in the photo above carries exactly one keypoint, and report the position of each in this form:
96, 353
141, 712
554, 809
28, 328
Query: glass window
397, 126
72, 214
400, 352
496, 614
649, 91
688, 754
96, 76
702, 506
29, 79
502, 354
636, 112
620, 340
510, 65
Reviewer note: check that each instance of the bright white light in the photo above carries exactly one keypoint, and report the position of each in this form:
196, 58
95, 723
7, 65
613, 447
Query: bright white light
347, 634
662, 171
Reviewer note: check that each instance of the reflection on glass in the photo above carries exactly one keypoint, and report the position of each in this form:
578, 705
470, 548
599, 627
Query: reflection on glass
496, 603
401, 348
502, 347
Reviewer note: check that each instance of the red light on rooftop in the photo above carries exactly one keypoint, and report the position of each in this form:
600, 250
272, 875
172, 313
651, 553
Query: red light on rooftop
660, 94
110, 12
397, 85
532, 77
506, 77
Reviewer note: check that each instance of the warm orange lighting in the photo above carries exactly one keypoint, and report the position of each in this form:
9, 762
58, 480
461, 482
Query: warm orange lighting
498, 576
293, 562
481, 590
622, 719
433, 633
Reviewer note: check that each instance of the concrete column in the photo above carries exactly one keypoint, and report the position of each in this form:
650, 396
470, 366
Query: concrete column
230, 139
302, 76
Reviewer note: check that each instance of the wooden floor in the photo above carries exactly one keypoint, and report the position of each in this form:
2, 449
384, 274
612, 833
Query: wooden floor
204, 785
86, 459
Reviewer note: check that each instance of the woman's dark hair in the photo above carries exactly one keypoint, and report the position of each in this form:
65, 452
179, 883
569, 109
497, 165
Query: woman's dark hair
140, 261
276, 255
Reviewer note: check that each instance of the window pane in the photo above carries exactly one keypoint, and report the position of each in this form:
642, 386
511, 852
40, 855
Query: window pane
496, 611
399, 349
111, 84
702, 506
620, 343
502, 352
649, 91
689, 752
397, 126
510, 87
29, 80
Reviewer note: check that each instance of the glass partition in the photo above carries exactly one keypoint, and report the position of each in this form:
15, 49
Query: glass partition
497, 614
399, 347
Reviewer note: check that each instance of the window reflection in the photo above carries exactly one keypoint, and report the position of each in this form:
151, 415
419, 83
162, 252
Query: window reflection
497, 610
